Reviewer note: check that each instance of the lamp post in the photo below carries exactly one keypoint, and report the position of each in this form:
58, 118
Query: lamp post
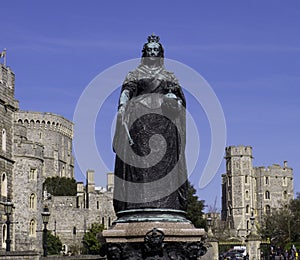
8, 206
209, 224
45, 216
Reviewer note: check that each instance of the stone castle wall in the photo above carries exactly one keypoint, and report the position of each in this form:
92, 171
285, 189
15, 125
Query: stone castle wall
55, 133
70, 222
8, 105
248, 190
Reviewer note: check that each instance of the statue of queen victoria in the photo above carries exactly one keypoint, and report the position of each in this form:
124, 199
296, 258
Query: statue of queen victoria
150, 167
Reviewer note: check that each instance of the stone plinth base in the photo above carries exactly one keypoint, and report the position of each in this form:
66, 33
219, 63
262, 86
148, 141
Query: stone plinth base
153, 240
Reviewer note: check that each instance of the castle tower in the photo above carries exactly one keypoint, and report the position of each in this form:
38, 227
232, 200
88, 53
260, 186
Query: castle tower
237, 187
55, 133
8, 105
110, 182
90, 185
27, 189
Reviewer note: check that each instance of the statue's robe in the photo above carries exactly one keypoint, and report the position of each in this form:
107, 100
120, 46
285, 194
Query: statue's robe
149, 112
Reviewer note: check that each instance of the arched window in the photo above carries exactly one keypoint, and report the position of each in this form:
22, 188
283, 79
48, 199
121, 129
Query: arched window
4, 236
4, 185
268, 209
247, 209
284, 182
267, 195
32, 228
267, 180
247, 194
3, 140
32, 174
32, 201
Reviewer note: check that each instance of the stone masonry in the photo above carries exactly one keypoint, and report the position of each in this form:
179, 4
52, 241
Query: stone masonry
34, 146
248, 190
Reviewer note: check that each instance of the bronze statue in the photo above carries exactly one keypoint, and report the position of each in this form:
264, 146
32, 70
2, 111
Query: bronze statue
151, 103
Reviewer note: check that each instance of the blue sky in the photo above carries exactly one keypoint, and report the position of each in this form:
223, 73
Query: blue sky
248, 51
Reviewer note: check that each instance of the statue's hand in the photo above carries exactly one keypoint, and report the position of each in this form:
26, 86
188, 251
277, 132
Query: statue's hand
171, 95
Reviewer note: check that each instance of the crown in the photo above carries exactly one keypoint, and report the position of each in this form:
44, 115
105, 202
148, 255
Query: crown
153, 38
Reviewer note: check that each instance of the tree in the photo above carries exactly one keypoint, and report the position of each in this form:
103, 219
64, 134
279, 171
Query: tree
54, 244
60, 186
195, 208
282, 226
91, 243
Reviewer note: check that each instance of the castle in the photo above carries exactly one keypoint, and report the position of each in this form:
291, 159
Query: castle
248, 190
35, 146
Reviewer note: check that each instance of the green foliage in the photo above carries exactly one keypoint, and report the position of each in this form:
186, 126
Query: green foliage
282, 226
91, 244
54, 244
60, 186
195, 208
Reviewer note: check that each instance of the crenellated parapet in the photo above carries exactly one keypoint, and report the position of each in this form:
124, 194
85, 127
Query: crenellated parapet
45, 121
274, 170
239, 150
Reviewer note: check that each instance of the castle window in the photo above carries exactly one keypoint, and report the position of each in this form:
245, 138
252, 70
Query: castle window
285, 195
103, 222
267, 180
4, 185
268, 209
32, 174
32, 201
267, 195
97, 204
247, 194
246, 179
109, 221
4, 235
3, 140
284, 182
247, 209
32, 228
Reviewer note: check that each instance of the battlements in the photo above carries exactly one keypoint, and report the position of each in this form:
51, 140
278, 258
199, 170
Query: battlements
274, 169
7, 87
47, 121
239, 150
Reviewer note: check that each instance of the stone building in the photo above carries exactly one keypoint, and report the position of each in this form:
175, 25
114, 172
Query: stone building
8, 106
35, 146
41, 148
248, 190
71, 216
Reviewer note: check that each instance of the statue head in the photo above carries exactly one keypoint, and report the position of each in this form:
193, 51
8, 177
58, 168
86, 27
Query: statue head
153, 50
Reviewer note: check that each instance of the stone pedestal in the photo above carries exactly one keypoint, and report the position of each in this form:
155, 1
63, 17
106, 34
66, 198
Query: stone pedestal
253, 245
164, 236
213, 249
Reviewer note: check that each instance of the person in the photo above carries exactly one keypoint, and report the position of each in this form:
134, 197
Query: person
151, 106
